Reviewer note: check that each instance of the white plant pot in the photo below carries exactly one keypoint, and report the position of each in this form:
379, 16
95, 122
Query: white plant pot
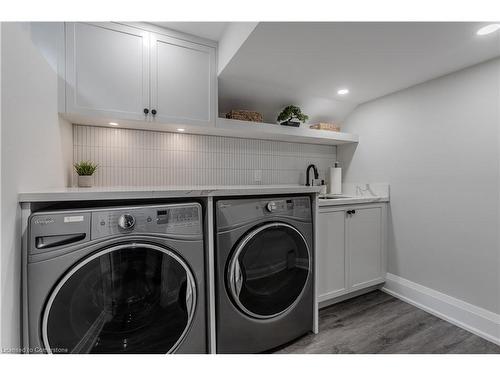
85, 181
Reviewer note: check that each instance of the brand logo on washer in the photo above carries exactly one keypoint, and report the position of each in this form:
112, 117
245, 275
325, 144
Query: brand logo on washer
44, 220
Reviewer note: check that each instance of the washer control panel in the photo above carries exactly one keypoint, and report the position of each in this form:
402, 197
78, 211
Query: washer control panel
178, 219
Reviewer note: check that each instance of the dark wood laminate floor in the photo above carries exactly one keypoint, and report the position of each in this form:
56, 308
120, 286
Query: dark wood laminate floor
379, 323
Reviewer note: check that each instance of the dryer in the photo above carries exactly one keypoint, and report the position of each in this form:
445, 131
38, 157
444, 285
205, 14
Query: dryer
264, 272
116, 280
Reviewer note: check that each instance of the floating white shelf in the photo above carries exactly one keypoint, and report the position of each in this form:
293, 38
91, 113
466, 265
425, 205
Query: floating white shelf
258, 130
229, 128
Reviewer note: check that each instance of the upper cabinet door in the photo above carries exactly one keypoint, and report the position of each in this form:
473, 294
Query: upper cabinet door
107, 70
183, 82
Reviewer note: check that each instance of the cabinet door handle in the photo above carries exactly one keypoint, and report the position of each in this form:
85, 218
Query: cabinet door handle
146, 111
153, 112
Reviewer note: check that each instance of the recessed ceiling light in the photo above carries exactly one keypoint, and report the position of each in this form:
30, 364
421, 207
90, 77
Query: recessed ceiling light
488, 29
113, 123
180, 130
343, 91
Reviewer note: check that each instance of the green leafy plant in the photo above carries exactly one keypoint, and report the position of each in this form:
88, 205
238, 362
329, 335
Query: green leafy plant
291, 112
85, 168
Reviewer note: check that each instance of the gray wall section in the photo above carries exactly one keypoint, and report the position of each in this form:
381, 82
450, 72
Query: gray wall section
437, 144
36, 146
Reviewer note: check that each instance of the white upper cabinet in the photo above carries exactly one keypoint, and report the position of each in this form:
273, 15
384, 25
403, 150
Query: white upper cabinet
107, 70
182, 81
116, 71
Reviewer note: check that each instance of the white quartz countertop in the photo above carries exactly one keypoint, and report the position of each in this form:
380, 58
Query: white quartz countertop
350, 200
358, 193
148, 192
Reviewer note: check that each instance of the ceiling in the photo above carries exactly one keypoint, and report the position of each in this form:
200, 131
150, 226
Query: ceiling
208, 30
306, 63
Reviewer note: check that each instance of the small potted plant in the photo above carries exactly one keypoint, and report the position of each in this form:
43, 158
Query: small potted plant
291, 113
85, 171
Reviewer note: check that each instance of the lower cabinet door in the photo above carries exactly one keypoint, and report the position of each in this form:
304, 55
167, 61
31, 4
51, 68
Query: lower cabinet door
364, 247
330, 255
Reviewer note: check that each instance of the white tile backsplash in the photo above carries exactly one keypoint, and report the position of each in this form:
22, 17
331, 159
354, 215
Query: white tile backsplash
129, 157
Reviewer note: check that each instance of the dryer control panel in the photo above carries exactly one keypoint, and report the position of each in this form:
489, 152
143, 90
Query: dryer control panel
180, 219
235, 212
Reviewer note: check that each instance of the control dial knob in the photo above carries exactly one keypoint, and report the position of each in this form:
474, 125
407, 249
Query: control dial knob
271, 206
126, 221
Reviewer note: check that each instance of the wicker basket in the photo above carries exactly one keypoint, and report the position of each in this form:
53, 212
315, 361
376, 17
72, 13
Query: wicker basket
326, 126
245, 115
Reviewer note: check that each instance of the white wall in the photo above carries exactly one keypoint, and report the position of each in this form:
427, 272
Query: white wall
233, 38
36, 146
437, 144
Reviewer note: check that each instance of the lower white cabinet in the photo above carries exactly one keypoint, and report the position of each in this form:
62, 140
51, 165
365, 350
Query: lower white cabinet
351, 248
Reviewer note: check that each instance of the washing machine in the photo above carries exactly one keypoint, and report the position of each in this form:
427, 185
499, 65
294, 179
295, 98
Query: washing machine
264, 272
116, 280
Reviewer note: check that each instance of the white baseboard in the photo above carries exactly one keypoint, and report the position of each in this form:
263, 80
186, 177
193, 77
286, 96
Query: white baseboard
472, 318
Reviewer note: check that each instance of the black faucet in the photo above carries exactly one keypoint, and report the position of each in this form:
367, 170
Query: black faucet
315, 170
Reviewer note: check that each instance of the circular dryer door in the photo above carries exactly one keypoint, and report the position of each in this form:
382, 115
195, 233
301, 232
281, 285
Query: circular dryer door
131, 298
269, 270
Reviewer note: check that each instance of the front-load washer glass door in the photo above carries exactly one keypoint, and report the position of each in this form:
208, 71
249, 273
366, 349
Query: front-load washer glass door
131, 298
268, 270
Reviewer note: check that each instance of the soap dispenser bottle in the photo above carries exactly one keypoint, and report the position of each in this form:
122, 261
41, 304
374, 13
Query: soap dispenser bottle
322, 192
